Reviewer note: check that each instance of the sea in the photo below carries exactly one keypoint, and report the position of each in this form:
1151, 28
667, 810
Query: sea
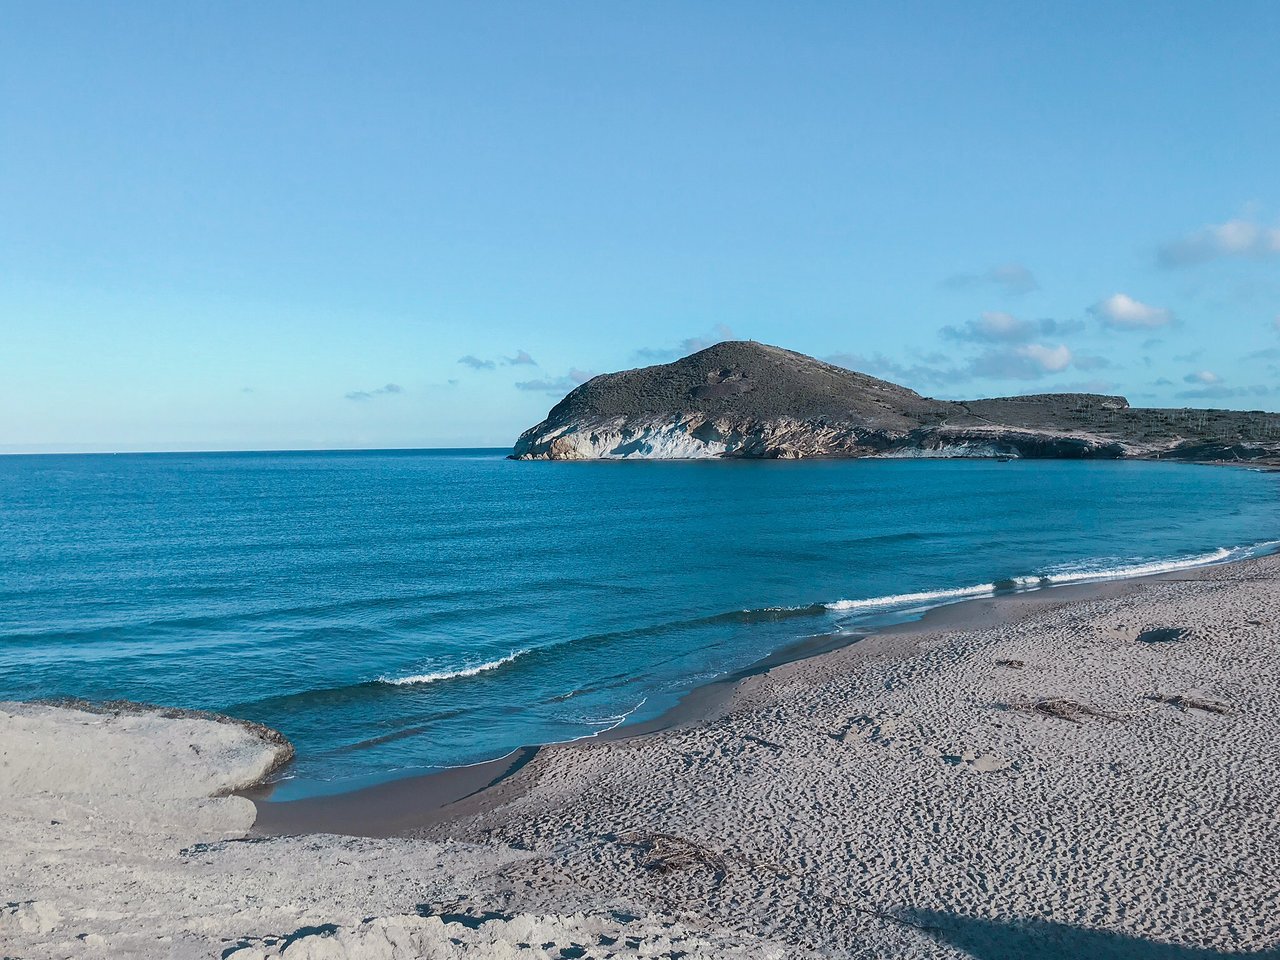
399, 612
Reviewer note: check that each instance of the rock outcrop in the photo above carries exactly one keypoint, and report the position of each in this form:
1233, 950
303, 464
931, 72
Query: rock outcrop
750, 400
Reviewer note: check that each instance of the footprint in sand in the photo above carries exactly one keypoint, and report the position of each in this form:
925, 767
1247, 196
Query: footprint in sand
979, 762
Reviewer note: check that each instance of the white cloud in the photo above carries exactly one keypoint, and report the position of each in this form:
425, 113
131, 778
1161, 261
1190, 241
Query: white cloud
1030, 361
1202, 377
1050, 359
1122, 312
999, 327
1025, 361
992, 327
1235, 238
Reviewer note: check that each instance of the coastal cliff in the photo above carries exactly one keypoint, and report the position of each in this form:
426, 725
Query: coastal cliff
750, 400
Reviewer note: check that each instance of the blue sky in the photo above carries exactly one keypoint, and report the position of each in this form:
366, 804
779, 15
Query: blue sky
277, 225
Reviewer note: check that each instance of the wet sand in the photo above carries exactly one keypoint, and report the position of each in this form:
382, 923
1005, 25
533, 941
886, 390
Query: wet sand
408, 804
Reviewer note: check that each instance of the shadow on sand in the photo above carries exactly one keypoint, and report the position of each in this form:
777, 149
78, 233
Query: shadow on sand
1040, 940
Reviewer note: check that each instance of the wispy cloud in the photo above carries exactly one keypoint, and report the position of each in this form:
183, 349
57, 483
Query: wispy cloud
925, 372
383, 391
1027, 361
1086, 386
1235, 238
1219, 391
475, 363
1204, 377
1091, 361
999, 327
521, 359
1122, 312
557, 385
717, 334
1012, 278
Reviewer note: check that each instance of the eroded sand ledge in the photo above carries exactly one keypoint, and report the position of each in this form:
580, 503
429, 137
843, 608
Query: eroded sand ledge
1040, 776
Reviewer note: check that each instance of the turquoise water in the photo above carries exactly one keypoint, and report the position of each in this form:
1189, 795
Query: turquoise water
394, 612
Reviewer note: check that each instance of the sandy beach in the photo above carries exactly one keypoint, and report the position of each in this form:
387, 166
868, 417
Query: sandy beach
649, 481
1082, 771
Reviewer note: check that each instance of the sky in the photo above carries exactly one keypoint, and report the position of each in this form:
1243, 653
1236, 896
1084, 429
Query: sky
324, 225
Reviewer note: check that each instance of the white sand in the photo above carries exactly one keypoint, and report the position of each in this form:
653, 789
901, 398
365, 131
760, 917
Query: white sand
73, 766
901, 798
116, 841
863, 785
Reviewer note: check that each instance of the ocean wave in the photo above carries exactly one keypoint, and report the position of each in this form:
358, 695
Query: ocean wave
910, 599
471, 671
1101, 569
1058, 576
764, 614
1143, 569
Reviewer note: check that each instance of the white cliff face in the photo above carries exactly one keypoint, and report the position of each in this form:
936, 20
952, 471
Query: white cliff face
695, 436
691, 436
619, 439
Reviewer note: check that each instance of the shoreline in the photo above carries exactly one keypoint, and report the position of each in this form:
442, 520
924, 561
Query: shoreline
404, 805
1086, 770
1077, 772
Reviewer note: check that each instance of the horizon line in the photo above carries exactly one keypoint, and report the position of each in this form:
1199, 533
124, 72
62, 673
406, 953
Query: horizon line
161, 453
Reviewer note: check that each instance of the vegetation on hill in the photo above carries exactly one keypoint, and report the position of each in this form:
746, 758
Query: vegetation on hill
741, 398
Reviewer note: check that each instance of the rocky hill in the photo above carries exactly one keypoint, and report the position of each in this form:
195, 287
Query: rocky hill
747, 399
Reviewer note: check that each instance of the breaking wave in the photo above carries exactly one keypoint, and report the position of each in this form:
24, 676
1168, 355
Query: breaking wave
910, 599
1071, 574
1097, 570
1082, 574
471, 671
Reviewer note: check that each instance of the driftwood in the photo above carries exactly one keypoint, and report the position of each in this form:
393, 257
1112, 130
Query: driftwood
667, 853
1060, 708
1184, 702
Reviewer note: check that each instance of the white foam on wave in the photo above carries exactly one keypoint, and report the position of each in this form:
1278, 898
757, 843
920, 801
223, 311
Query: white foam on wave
1070, 575
1145, 569
610, 723
905, 599
452, 674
